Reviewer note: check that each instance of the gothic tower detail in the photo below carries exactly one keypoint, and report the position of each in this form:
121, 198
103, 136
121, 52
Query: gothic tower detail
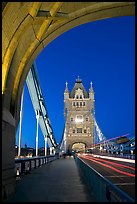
78, 108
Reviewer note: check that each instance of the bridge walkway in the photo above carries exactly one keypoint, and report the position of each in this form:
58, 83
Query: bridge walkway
57, 181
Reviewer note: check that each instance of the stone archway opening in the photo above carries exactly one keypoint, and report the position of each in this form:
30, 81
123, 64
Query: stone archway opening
78, 147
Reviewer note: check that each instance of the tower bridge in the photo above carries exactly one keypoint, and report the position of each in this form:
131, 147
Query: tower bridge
80, 131
27, 28
79, 127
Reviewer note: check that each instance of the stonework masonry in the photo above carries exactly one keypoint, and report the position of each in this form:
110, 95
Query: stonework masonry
78, 108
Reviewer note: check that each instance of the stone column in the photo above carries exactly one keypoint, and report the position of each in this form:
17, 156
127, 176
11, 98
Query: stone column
8, 154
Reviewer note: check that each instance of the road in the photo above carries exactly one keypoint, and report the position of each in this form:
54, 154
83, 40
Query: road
120, 172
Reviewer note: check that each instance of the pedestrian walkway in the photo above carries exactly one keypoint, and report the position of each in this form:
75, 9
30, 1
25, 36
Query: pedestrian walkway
57, 181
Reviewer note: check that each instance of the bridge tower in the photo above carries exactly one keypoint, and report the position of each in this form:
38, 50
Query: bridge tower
78, 109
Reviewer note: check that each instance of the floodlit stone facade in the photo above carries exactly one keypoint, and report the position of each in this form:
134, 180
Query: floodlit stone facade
78, 108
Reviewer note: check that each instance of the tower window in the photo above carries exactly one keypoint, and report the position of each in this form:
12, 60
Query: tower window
80, 96
71, 119
73, 103
83, 103
87, 119
79, 119
77, 97
85, 131
80, 103
77, 104
79, 130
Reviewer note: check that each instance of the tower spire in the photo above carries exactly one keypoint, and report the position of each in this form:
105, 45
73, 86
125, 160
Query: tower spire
66, 89
91, 88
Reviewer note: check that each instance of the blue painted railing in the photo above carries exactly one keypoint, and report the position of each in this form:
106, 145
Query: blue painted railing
25, 165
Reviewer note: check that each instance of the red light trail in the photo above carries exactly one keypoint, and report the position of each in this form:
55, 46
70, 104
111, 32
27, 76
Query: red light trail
110, 167
107, 140
113, 163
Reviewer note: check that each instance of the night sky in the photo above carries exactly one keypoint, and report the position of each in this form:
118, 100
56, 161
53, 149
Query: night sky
102, 52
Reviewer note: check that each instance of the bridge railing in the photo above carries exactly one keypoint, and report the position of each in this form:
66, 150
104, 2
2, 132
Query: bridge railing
101, 188
25, 165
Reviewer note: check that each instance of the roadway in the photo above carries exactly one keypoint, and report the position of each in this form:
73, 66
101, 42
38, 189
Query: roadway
120, 172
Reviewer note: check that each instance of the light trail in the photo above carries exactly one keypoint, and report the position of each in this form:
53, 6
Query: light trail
107, 140
124, 184
117, 137
113, 163
114, 158
110, 167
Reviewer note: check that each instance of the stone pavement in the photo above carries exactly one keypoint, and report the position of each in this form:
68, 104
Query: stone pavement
57, 181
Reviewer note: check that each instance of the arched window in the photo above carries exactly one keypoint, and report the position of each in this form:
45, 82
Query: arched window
85, 131
73, 103
79, 130
79, 119
86, 118
71, 119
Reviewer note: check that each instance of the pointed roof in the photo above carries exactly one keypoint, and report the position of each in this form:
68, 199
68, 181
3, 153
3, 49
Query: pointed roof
78, 85
91, 88
66, 89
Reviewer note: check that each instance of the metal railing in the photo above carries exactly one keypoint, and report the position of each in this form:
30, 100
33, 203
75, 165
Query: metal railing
102, 189
25, 165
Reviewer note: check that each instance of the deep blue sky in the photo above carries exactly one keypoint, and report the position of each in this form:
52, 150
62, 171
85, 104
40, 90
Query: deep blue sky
102, 52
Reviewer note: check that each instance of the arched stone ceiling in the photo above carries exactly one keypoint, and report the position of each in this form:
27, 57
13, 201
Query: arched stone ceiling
28, 27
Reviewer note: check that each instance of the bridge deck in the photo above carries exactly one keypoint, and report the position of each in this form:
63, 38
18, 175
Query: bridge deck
57, 181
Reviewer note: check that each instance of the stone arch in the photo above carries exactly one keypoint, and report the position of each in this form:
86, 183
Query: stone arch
71, 141
78, 146
27, 28
32, 33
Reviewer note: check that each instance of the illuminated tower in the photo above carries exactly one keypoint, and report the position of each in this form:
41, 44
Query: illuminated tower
79, 126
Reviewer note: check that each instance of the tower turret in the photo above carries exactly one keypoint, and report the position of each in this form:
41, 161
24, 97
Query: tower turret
91, 92
91, 96
66, 92
66, 97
